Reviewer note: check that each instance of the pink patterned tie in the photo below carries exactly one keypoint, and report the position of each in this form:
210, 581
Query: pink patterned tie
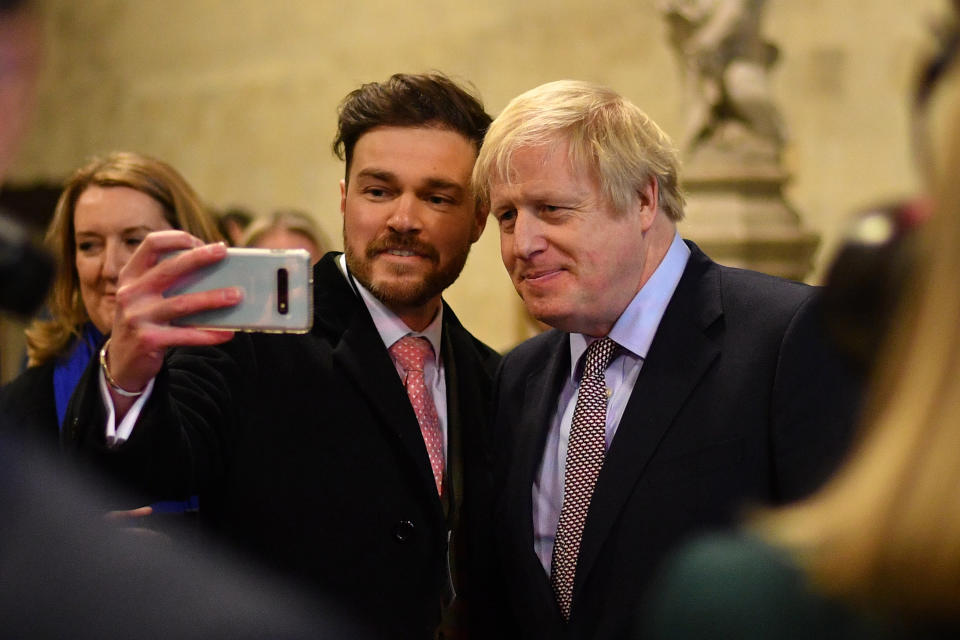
410, 353
585, 453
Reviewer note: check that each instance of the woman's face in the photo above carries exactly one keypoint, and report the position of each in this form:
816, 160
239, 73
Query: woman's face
109, 223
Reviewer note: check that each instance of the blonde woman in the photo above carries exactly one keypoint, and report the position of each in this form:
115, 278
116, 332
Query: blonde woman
287, 229
104, 212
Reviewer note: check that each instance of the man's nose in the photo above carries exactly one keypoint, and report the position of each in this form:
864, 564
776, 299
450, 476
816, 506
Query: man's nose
528, 236
406, 216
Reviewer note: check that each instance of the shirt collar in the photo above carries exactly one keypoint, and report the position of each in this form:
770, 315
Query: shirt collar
635, 328
389, 325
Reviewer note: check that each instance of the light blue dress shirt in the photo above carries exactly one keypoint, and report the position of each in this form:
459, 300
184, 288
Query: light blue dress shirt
634, 332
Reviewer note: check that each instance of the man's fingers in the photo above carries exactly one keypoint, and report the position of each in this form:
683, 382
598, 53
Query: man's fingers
156, 244
187, 336
167, 271
168, 309
150, 270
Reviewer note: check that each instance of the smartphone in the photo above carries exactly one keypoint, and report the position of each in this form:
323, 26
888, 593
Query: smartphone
277, 287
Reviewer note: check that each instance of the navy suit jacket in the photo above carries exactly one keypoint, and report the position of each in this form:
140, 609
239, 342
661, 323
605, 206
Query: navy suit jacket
739, 400
306, 450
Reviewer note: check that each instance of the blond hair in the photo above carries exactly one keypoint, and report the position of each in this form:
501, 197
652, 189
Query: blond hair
607, 134
288, 220
48, 338
885, 531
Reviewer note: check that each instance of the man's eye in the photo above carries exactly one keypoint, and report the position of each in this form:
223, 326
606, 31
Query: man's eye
507, 216
439, 200
133, 242
376, 192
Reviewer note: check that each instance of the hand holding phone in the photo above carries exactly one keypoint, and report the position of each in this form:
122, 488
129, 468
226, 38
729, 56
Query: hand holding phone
276, 285
142, 329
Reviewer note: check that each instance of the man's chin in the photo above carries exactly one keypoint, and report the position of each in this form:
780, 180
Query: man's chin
546, 317
403, 291
405, 285
550, 314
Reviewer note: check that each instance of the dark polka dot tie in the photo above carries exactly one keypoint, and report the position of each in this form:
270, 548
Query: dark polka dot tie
411, 353
585, 452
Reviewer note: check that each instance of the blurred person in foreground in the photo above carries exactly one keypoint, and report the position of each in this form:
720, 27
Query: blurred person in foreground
19, 65
106, 209
876, 552
353, 456
65, 572
672, 389
287, 229
25, 270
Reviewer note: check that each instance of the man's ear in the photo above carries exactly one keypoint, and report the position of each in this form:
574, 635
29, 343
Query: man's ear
343, 196
648, 202
480, 222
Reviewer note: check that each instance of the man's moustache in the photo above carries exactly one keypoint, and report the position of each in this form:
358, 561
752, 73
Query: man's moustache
398, 242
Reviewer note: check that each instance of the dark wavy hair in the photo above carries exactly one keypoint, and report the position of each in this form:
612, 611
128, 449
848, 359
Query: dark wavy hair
409, 100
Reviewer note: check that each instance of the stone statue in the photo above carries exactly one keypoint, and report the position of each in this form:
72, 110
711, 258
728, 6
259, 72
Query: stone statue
726, 63
733, 139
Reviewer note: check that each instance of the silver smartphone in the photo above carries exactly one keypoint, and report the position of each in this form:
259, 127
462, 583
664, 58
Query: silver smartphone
277, 287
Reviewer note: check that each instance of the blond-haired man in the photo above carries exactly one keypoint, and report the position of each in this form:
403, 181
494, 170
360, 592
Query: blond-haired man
672, 390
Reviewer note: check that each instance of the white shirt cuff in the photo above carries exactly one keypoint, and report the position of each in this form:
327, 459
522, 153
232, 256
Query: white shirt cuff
117, 435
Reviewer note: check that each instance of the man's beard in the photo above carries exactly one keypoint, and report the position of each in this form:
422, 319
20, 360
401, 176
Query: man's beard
407, 294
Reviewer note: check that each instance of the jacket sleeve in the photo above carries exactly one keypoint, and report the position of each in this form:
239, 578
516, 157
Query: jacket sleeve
815, 405
184, 434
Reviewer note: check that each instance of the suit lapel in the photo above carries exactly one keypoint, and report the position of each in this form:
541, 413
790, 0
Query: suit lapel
539, 406
466, 413
360, 355
679, 356
537, 409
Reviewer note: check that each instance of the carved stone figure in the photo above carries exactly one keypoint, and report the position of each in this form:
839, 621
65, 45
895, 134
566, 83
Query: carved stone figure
733, 139
726, 63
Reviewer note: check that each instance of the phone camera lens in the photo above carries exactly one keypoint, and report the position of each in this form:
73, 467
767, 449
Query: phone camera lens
283, 299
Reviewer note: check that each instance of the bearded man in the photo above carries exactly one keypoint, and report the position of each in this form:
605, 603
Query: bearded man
308, 449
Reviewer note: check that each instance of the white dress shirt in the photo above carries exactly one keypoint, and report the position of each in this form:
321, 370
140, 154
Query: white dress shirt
633, 332
391, 328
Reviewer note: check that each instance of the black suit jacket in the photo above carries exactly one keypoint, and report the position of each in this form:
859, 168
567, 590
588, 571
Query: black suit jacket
738, 400
306, 449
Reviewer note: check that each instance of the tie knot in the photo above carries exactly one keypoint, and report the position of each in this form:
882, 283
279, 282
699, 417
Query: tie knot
411, 352
599, 354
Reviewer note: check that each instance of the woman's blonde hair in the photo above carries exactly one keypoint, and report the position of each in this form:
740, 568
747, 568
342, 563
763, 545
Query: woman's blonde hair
288, 220
49, 338
885, 532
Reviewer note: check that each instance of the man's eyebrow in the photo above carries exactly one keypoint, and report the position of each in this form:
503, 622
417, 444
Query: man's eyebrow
443, 183
377, 174
429, 183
